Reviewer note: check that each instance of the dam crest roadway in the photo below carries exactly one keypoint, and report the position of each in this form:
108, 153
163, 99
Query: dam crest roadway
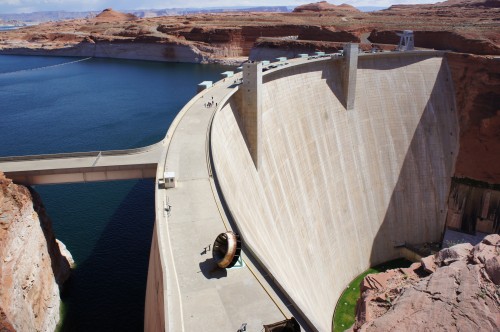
322, 165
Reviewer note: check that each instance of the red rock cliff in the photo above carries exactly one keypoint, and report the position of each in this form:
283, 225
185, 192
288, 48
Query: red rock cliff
216, 37
31, 264
454, 290
476, 80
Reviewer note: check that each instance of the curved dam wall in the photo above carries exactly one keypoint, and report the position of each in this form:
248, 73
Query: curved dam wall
337, 190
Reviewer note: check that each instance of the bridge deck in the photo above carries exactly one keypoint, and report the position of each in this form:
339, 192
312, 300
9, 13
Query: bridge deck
83, 166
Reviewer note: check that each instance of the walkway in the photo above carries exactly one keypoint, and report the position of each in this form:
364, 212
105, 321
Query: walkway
210, 299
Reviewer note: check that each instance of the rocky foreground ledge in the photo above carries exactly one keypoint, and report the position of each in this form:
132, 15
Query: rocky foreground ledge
32, 268
455, 290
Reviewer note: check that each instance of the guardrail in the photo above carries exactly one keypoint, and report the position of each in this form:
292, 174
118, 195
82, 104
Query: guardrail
402, 53
82, 154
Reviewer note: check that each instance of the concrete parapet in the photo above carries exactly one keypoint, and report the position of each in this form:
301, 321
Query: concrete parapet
134, 151
204, 85
227, 74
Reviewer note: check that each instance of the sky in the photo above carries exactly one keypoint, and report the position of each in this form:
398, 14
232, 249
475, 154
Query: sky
27, 6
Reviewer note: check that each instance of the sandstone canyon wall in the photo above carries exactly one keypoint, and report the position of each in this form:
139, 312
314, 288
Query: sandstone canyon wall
476, 80
221, 37
32, 268
474, 201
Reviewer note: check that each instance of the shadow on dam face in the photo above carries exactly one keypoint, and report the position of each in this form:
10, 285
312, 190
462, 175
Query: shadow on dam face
339, 189
330, 74
392, 62
417, 209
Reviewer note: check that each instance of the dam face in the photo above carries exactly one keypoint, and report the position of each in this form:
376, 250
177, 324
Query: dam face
338, 189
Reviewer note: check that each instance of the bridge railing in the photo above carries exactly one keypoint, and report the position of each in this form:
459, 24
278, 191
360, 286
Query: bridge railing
82, 154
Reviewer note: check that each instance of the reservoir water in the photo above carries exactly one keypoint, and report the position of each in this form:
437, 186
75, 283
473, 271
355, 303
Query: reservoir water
57, 104
7, 27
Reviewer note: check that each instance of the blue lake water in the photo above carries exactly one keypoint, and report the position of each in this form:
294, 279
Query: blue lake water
54, 104
7, 27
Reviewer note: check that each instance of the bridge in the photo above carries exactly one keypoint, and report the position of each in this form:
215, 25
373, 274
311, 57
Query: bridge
140, 163
322, 165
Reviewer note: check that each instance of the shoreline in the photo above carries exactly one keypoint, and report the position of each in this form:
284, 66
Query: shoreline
130, 51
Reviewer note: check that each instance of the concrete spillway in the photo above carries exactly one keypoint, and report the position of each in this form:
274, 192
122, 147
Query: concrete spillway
337, 190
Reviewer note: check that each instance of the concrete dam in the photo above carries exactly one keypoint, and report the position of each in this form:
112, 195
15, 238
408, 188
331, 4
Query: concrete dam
338, 190
324, 166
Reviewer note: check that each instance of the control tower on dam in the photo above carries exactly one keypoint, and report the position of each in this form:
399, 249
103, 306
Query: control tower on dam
331, 168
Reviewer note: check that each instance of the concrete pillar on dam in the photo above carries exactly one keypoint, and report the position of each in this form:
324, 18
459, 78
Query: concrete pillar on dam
349, 71
251, 109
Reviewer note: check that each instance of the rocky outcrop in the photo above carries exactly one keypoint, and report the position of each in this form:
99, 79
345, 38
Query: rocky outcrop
5, 325
476, 80
453, 3
455, 290
110, 15
473, 207
271, 48
458, 41
472, 37
324, 6
330, 34
31, 265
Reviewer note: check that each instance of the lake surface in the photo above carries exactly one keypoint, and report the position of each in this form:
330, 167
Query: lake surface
8, 27
58, 104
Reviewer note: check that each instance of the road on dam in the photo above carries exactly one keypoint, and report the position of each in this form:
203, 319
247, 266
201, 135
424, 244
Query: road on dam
197, 295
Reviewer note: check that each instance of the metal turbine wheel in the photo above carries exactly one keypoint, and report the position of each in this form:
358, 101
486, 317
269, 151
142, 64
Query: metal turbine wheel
227, 249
